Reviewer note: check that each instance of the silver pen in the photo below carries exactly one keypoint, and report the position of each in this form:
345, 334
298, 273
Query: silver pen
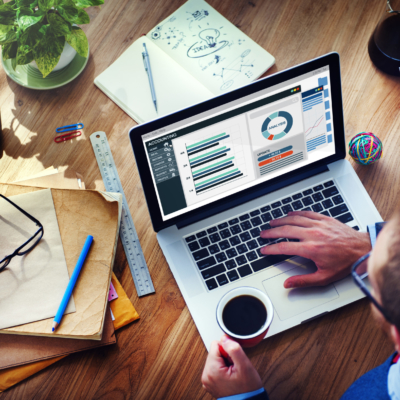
147, 67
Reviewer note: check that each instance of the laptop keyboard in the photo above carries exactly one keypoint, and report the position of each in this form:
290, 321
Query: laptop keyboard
230, 250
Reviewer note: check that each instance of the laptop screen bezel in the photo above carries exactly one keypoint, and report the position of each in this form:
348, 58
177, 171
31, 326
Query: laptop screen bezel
332, 60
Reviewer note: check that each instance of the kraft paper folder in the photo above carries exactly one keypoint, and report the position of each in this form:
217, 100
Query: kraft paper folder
124, 313
81, 213
21, 350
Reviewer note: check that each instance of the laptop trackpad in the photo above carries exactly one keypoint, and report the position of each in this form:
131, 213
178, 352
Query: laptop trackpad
291, 302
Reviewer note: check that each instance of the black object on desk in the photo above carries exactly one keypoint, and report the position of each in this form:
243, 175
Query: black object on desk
384, 44
30, 244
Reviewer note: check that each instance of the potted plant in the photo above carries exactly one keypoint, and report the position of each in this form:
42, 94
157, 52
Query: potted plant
39, 30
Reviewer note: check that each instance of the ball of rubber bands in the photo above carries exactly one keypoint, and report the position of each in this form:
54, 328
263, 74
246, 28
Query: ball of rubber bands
365, 148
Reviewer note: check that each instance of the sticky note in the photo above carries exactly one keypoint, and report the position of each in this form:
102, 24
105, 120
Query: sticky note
112, 294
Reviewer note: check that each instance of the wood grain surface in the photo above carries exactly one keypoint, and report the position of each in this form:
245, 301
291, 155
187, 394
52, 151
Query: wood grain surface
161, 356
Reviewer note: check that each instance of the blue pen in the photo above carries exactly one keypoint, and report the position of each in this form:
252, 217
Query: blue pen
72, 282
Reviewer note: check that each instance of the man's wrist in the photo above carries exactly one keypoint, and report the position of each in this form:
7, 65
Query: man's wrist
363, 246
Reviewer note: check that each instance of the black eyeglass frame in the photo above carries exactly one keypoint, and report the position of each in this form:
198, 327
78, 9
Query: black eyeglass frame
38, 235
363, 287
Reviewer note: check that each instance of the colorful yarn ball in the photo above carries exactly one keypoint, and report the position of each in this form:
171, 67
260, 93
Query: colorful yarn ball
365, 148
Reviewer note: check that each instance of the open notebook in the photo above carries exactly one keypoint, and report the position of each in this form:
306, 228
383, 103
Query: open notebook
195, 54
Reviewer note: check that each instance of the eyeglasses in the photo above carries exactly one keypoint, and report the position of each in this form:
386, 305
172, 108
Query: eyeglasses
389, 8
359, 272
29, 244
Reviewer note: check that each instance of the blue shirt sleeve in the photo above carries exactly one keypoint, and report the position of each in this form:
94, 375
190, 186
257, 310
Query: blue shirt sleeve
394, 381
372, 234
374, 230
243, 396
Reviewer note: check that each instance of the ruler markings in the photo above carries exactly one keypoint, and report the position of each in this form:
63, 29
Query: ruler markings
129, 237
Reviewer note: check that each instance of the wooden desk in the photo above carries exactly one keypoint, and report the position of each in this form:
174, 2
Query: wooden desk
162, 356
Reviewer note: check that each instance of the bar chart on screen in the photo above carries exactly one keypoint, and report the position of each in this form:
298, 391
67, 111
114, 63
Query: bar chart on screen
215, 160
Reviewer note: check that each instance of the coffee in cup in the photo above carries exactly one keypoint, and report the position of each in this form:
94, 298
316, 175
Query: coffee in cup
245, 314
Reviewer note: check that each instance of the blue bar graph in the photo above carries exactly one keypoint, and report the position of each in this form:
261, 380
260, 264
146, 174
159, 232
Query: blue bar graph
194, 149
194, 163
204, 141
307, 103
314, 143
312, 103
221, 182
213, 161
305, 99
218, 178
207, 171
312, 100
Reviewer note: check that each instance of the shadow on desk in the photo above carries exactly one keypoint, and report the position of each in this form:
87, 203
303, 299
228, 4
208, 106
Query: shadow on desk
30, 131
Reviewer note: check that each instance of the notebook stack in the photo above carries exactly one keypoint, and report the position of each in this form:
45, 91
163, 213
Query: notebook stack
88, 320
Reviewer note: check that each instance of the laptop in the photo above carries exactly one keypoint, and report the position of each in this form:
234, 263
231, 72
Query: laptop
216, 173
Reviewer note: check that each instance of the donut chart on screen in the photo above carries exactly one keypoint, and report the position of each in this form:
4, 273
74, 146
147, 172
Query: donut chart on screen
274, 133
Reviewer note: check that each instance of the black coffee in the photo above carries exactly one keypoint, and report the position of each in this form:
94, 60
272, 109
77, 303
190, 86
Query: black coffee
244, 315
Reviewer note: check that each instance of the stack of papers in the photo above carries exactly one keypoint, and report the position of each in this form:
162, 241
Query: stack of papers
79, 213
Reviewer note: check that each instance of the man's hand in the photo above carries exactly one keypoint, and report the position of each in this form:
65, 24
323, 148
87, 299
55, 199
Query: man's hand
332, 245
220, 380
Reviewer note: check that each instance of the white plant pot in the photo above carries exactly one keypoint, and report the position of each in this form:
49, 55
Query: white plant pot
67, 56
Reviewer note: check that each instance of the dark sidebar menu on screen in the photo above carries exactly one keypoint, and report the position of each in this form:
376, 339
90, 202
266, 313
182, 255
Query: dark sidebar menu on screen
166, 174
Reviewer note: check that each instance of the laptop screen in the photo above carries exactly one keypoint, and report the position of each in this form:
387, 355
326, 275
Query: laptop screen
241, 144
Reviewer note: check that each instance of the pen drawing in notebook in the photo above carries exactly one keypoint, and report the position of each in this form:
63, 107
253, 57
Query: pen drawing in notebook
216, 53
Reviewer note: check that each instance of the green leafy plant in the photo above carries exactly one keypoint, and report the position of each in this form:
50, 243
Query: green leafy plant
38, 29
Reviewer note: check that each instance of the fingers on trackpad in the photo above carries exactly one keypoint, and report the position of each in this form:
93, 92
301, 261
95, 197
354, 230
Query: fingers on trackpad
292, 302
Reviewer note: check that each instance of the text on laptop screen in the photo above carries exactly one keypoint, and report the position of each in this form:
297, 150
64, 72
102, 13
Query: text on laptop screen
234, 147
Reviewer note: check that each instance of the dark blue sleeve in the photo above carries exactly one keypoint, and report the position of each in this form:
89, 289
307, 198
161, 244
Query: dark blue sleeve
379, 226
261, 396
374, 230
372, 385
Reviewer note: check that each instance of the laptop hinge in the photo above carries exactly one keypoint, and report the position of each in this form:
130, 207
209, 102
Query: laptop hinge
260, 192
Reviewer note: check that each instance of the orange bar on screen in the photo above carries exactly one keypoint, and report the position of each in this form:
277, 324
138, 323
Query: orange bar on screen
280, 156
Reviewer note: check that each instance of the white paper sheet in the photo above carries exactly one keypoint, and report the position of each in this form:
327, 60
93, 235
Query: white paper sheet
32, 286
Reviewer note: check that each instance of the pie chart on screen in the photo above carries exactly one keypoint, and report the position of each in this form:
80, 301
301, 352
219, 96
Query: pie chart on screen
277, 125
